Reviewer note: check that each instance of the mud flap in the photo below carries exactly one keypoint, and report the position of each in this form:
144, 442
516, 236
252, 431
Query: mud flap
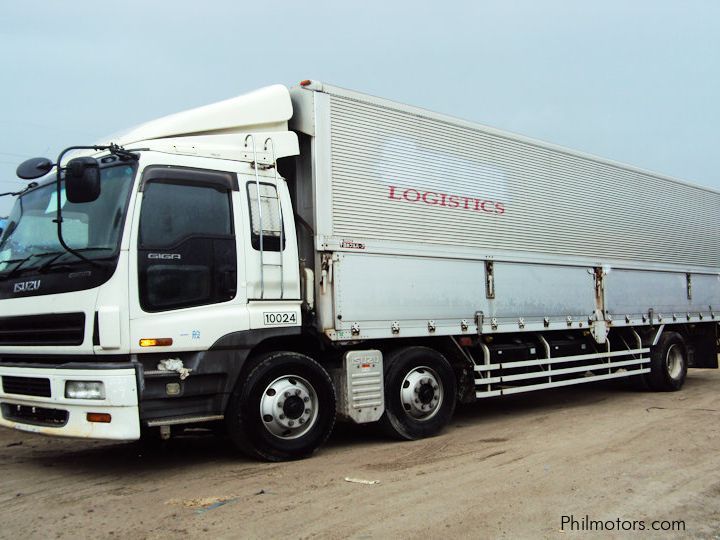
703, 351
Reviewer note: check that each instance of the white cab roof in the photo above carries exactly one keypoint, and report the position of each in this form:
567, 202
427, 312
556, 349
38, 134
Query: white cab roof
264, 110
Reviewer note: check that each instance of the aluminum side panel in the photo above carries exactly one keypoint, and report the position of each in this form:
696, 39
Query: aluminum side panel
537, 290
705, 292
388, 288
375, 290
629, 292
407, 177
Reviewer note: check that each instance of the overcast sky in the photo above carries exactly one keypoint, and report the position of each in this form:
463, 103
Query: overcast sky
636, 81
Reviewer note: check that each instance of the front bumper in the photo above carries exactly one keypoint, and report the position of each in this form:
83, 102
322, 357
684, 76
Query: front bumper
54, 414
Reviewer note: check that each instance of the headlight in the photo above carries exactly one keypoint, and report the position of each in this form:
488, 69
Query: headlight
84, 390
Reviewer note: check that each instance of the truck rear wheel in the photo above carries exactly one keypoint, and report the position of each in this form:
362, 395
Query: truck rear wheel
668, 363
284, 410
420, 393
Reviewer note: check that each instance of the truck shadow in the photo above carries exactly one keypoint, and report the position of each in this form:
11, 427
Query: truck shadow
201, 447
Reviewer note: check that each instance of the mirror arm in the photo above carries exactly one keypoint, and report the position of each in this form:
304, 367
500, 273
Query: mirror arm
58, 213
121, 152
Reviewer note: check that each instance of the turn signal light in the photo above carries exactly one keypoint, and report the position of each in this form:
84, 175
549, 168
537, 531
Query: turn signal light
103, 418
305, 82
156, 342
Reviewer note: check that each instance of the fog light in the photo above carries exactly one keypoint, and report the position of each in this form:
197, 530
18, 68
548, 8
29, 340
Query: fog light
84, 390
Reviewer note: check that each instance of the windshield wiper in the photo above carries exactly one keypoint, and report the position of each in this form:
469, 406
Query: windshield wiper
9, 261
59, 254
21, 262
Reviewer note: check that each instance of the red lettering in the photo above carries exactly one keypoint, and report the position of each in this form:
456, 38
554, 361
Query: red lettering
430, 201
435, 198
482, 206
407, 192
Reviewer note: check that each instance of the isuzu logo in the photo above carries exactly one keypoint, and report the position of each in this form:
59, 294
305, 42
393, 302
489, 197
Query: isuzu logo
27, 286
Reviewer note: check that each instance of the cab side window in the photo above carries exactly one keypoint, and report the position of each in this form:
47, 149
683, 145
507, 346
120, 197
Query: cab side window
182, 211
186, 248
269, 209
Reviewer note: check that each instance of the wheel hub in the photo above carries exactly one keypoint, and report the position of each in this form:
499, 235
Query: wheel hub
289, 407
294, 407
674, 361
421, 393
426, 393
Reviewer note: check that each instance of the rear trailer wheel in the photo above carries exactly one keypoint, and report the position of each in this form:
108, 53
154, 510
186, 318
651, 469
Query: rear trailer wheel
420, 393
668, 363
284, 410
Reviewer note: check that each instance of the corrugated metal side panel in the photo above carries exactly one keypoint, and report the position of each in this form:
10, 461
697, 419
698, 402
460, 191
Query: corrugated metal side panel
417, 288
405, 177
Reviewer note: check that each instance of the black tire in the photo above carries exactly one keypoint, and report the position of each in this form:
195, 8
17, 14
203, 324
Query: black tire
417, 368
637, 382
668, 363
281, 381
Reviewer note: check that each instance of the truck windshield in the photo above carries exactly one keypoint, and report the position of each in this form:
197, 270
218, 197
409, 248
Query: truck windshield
93, 228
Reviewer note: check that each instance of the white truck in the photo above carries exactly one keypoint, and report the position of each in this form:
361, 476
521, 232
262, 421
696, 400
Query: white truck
292, 256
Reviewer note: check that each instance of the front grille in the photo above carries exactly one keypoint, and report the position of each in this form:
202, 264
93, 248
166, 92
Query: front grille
26, 386
38, 416
57, 329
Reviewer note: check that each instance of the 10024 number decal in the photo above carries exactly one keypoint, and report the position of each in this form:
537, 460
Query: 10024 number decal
279, 318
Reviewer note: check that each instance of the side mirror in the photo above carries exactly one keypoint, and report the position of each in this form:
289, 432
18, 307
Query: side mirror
82, 180
33, 168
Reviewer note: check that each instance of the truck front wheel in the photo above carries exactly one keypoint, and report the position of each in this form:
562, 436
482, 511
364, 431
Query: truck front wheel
284, 410
420, 393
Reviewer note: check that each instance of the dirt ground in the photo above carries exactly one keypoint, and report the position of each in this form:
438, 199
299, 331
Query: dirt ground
505, 468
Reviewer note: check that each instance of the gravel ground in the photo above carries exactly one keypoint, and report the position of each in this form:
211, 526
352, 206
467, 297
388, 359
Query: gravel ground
505, 468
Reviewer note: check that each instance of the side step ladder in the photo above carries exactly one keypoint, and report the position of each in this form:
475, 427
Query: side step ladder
261, 232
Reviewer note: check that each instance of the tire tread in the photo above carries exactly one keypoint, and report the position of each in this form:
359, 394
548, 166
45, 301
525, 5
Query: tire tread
237, 426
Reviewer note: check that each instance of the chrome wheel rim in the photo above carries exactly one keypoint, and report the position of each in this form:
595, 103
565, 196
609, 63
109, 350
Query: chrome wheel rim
421, 393
289, 407
674, 361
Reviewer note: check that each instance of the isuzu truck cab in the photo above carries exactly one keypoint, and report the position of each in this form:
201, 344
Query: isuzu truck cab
278, 260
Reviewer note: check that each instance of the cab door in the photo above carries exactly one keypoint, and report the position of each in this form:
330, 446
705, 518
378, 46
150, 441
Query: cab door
184, 287
186, 240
